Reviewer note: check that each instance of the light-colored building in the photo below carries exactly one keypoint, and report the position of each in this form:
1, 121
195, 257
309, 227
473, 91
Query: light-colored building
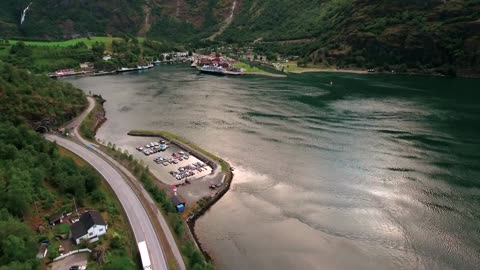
42, 251
90, 226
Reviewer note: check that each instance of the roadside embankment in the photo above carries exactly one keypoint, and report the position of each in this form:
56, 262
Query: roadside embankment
94, 120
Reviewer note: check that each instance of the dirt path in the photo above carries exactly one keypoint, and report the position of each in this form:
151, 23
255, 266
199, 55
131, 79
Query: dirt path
226, 23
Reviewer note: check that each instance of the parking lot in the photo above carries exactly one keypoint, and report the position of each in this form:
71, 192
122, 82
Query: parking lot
169, 163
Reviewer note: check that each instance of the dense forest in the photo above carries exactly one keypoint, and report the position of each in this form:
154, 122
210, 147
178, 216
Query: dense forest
126, 52
432, 35
35, 178
399, 35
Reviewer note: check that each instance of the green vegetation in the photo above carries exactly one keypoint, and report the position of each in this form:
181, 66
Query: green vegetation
420, 36
88, 126
49, 20
192, 256
62, 229
37, 99
37, 179
171, 136
89, 42
249, 68
40, 57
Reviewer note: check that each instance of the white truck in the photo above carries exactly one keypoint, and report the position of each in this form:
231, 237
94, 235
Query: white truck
142, 247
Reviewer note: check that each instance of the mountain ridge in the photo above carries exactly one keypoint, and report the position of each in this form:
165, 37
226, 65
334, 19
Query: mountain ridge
431, 34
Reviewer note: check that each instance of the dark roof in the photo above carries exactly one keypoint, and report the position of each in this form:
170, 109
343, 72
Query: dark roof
55, 217
87, 220
177, 199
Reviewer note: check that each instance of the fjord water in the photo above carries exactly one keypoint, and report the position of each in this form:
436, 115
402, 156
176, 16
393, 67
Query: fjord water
371, 172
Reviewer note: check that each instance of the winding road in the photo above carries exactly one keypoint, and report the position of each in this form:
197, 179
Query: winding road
116, 176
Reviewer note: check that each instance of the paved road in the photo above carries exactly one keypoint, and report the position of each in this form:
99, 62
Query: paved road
95, 153
79, 259
77, 121
137, 216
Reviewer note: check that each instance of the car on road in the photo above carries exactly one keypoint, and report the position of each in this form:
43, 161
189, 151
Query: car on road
77, 267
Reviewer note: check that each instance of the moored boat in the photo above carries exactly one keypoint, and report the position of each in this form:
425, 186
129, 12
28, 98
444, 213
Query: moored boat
212, 70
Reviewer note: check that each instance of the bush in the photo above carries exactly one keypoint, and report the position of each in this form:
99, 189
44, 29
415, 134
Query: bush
62, 229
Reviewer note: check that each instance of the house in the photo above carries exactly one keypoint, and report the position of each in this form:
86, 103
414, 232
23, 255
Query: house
107, 57
56, 219
179, 203
90, 226
87, 66
42, 251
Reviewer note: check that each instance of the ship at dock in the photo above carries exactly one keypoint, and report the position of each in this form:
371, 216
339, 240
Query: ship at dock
219, 70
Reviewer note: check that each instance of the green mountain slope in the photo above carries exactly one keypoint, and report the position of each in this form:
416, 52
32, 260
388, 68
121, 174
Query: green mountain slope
441, 35
47, 19
421, 34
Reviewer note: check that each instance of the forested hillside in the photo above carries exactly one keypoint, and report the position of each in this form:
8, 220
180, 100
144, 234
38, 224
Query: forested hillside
441, 35
370, 33
34, 100
36, 180
47, 19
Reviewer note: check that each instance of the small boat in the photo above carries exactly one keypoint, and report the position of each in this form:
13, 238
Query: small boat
126, 69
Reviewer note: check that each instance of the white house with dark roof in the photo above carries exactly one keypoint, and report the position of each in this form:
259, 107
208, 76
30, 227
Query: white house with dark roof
90, 226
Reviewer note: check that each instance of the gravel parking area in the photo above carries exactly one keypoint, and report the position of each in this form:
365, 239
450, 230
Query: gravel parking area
176, 165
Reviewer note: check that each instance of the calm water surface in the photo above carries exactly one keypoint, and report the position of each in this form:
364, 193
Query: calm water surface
373, 172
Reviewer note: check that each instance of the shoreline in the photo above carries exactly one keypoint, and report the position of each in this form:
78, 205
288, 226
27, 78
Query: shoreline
203, 155
271, 75
327, 70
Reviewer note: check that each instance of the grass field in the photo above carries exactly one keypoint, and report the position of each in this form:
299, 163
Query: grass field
88, 41
249, 68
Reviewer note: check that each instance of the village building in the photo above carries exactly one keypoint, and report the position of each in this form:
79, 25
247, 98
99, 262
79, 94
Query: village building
87, 66
90, 226
56, 219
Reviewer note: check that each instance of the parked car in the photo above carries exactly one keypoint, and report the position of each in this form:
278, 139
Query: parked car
165, 163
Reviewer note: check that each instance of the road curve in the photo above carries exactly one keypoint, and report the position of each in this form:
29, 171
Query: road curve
137, 216
73, 125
